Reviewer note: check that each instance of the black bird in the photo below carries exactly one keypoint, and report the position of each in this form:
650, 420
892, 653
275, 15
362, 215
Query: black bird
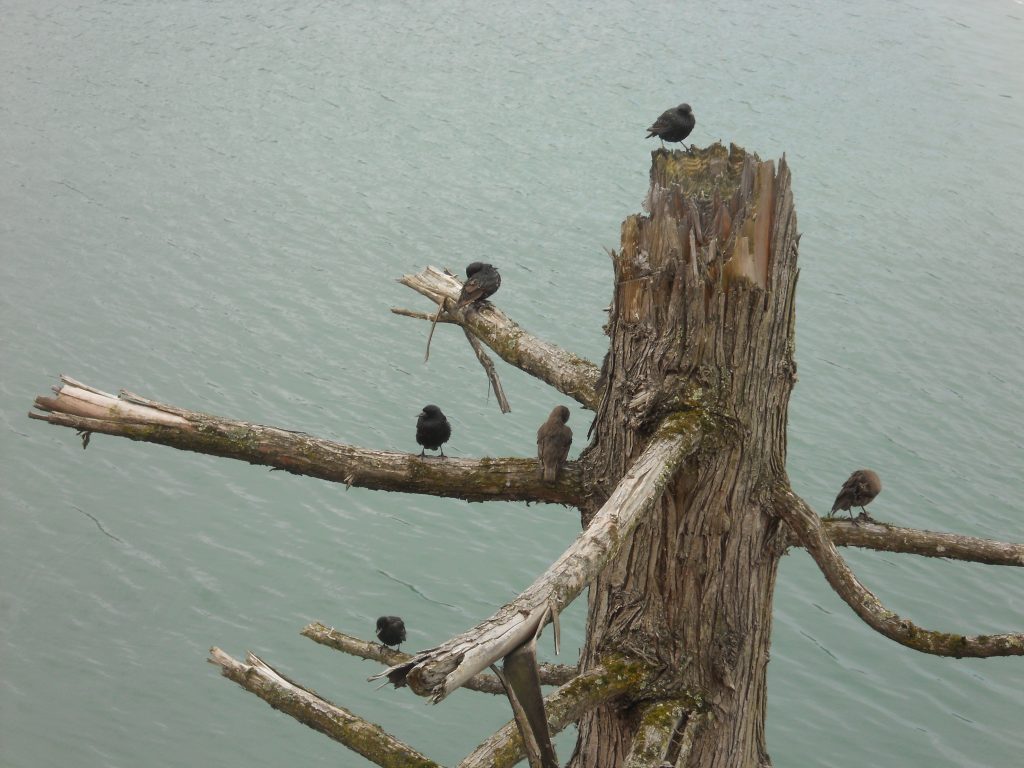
432, 429
858, 491
391, 630
482, 280
553, 441
674, 124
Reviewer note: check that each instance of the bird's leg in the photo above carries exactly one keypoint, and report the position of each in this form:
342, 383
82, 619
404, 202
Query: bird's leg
423, 453
865, 516
442, 453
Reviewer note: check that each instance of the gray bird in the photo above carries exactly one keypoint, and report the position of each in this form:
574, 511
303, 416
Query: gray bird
553, 441
674, 124
482, 280
858, 491
391, 630
432, 429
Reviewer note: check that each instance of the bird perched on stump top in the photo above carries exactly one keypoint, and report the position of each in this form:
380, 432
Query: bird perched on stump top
432, 429
553, 441
674, 124
391, 630
482, 280
858, 491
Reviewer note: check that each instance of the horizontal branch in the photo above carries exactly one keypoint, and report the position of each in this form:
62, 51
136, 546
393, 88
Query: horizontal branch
441, 670
807, 526
90, 410
568, 373
550, 674
368, 739
563, 707
889, 538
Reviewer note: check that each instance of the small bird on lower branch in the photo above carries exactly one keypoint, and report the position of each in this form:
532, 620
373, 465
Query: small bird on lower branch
432, 429
674, 124
553, 441
858, 491
391, 630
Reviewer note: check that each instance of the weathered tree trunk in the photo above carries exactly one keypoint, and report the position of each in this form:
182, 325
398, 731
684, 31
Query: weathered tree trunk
702, 321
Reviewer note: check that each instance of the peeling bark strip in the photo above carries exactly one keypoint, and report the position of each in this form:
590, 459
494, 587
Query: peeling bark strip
569, 374
889, 538
507, 479
564, 707
368, 739
439, 671
550, 674
803, 520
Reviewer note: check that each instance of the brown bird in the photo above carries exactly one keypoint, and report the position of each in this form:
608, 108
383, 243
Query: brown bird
862, 486
482, 280
553, 441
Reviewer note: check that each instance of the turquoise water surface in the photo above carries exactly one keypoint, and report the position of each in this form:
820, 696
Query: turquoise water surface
208, 203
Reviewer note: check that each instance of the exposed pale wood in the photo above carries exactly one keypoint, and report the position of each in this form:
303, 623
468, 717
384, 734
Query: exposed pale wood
439, 671
890, 538
807, 525
550, 674
498, 479
368, 739
568, 373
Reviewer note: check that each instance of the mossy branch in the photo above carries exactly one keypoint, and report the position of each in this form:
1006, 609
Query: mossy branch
890, 538
807, 526
565, 706
368, 739
90, 410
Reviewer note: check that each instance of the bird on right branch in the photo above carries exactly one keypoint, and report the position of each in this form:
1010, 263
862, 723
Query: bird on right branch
858, 491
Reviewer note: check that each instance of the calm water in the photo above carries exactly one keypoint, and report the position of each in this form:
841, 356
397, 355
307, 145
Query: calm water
208, 203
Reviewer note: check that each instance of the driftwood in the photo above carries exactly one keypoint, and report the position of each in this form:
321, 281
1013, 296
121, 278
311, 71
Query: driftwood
683, 491
369, 740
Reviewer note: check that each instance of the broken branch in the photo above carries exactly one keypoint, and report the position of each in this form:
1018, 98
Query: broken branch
568, 373
505, 479
368, 739
439, 671
550, 674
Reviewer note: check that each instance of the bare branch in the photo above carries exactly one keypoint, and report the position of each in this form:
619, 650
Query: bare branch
368, 739
441, 670
428, 316
889, 538
807, 525
566, 372
564, 707
504, 479
550, 674
492, 375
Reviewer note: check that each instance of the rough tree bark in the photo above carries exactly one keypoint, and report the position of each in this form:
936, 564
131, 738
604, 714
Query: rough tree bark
702, 321
683, 493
